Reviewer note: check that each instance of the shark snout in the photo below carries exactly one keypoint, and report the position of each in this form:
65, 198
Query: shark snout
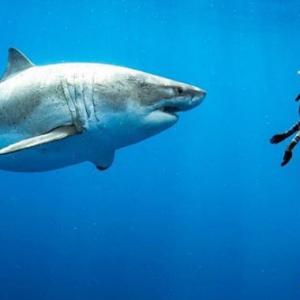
189, 98
194, 97
198, 95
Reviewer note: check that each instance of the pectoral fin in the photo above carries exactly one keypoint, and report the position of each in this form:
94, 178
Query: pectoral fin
52, 136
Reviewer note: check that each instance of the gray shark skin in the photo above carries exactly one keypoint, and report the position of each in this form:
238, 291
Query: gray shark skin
59, 115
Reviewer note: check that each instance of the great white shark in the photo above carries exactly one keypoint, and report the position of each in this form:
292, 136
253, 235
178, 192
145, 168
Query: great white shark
63, 114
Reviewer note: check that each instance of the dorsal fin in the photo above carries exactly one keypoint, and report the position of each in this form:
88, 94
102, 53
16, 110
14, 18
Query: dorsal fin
17, 62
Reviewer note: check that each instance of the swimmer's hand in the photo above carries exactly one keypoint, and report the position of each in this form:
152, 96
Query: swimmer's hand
277, 138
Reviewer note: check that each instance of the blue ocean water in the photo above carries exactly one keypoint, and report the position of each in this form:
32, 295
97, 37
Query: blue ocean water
202, 211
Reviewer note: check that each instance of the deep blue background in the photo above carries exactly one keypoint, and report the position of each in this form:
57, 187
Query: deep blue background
202, 211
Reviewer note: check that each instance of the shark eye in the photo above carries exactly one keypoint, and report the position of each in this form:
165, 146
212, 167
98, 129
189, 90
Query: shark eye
180, 90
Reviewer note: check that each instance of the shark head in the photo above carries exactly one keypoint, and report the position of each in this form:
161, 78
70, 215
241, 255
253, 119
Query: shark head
137, 105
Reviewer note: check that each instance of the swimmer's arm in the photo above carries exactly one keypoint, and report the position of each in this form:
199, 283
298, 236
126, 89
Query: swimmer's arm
289, 150
279, 137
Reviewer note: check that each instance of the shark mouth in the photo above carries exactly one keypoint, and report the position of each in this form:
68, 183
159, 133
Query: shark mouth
179, 104
171, 110
175, 107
